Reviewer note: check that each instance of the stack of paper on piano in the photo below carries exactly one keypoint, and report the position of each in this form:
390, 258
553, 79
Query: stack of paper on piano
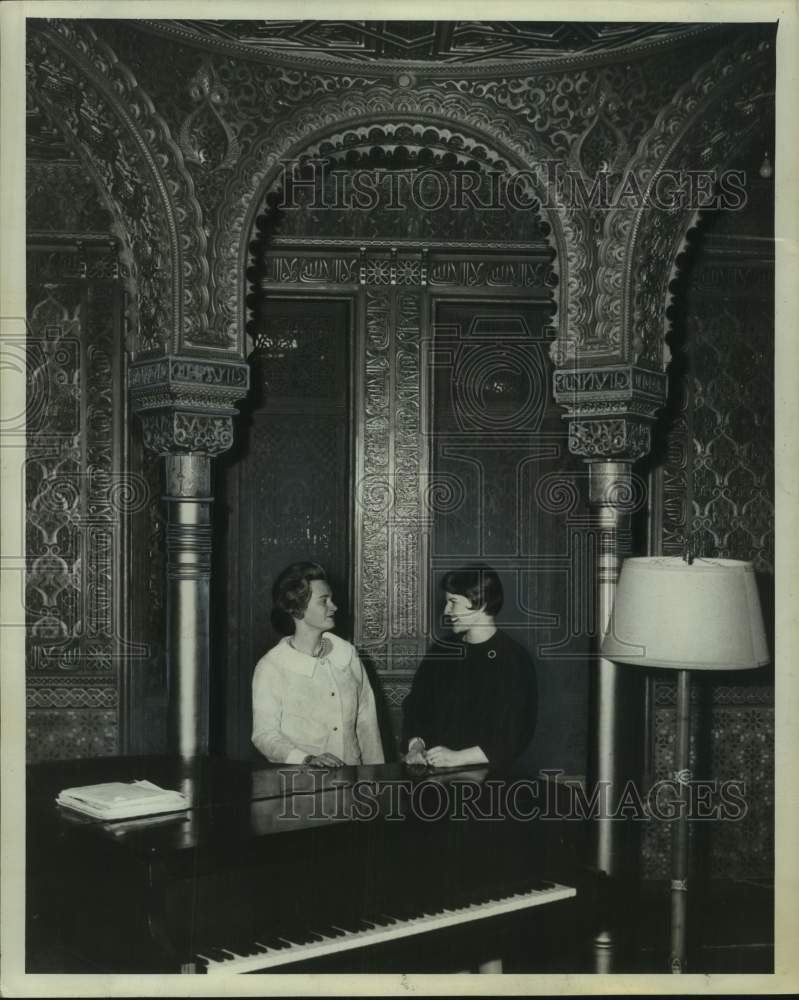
121, 800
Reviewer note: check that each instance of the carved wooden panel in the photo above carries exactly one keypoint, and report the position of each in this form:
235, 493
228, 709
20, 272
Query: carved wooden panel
80, 497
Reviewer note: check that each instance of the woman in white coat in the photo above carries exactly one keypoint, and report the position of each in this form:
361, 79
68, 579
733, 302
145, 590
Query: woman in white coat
312, 702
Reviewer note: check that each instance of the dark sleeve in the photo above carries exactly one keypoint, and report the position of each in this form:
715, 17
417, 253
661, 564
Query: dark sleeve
510, 721
418, 709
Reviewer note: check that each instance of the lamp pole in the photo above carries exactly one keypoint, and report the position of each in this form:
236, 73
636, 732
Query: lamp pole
679, 834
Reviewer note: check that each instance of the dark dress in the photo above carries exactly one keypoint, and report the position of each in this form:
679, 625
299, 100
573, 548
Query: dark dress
474, 694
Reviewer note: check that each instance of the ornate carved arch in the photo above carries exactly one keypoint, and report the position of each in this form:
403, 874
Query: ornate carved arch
473, 129
109, 120
703, 127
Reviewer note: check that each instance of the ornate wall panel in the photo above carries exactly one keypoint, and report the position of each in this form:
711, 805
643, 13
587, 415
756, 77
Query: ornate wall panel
228, 116
323, 119
702, 127
110, 122
76, 208
78, 496
718, 491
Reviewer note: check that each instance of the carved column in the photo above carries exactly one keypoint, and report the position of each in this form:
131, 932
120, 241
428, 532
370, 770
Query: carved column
610, 412
185, 405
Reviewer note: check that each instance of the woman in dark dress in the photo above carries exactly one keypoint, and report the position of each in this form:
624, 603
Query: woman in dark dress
475, 702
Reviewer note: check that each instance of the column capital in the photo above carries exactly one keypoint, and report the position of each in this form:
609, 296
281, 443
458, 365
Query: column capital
610, 409
619, 439
186, 403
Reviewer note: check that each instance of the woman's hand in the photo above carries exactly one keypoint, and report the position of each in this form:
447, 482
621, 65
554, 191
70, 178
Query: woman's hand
415, 754
323, 760
443, 757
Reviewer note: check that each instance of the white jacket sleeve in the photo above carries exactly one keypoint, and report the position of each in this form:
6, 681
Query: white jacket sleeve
366, 727
267, 713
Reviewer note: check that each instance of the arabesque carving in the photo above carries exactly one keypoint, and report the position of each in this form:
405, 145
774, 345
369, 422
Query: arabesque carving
110, 122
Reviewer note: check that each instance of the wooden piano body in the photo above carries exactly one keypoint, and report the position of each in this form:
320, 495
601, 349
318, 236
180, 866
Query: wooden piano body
274, 866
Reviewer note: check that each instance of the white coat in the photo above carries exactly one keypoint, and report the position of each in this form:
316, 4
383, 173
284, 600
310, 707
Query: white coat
304, 705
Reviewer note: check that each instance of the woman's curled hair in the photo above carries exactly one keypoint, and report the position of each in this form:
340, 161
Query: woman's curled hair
291, 593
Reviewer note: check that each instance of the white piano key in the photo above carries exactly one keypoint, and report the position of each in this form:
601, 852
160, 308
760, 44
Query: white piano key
389, 932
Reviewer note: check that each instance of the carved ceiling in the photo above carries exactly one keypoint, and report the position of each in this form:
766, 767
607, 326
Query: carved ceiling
427, 42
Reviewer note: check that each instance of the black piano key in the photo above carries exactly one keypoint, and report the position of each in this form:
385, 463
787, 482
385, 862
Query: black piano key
353, 925
298, 935
270, 943
217, 954
331, 931
243, 948
381, 919
404, 911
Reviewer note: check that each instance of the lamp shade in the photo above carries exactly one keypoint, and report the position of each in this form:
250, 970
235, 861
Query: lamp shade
703, 615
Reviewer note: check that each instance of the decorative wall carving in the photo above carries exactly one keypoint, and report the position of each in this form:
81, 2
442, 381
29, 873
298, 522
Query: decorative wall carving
60, 734
374, 491
238, 120
289, 269
186, 404
205, 136
409, 268
84, 259
111, 123
610, 409
59, 197
466, 119
79, 499
702, 125
470, 45
492, 274
609, 383
188, 382
739, 747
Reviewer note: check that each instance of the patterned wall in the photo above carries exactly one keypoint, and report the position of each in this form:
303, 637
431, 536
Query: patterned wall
718, 488
75, 495
91, 689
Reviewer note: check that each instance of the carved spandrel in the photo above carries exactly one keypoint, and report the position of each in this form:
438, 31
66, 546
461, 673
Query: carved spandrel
141, 172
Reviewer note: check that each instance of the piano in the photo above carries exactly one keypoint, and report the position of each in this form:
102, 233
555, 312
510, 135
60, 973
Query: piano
374, 868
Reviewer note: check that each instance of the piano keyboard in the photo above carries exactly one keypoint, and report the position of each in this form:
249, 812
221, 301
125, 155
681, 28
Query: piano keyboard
310, 943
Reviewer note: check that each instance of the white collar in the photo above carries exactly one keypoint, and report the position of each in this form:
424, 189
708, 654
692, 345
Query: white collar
304, 663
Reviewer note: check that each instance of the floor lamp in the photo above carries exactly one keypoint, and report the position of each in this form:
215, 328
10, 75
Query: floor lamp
683, 615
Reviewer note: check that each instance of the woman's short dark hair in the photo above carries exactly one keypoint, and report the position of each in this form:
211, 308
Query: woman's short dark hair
479, 584
291, 593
